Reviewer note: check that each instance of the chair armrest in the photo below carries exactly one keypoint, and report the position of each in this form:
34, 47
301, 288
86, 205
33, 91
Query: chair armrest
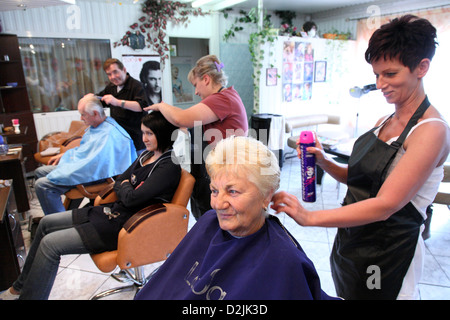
143, 214
107, 191
107, 195
48, 135
91, 194
66, 142
333, 119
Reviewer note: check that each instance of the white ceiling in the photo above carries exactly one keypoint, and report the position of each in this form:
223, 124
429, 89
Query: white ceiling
302, 6
8, 5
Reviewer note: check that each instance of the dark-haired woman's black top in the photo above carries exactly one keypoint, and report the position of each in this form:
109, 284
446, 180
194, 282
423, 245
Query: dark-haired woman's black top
156, 182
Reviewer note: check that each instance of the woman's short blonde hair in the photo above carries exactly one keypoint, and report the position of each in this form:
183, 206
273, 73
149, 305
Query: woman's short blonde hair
245, 156
211, 66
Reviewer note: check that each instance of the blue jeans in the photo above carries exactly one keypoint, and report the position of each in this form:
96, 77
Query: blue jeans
55, 236
48, 193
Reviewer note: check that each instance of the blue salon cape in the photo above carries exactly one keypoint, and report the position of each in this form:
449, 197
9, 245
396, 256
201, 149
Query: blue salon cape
209, 263
105, 151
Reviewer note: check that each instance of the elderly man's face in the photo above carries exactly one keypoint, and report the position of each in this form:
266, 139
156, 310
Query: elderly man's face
88, 119
238, 203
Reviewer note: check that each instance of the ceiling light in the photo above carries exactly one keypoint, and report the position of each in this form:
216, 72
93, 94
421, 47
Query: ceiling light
225, 4
199, 3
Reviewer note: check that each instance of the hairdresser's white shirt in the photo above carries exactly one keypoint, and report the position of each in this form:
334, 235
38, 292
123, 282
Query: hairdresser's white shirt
421, 200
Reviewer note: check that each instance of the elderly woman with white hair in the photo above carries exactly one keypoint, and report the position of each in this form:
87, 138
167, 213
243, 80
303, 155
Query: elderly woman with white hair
237, 250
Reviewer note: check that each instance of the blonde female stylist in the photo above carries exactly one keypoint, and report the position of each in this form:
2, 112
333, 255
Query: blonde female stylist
220, 113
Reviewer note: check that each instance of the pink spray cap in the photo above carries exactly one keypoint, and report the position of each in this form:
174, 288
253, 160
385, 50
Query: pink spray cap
306, 137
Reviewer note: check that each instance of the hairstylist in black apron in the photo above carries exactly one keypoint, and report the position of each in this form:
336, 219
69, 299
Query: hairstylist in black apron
388, 245
379, 225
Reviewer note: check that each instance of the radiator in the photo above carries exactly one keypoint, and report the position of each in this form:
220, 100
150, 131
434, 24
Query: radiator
55, 121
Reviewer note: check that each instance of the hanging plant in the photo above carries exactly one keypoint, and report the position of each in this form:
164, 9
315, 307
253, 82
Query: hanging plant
256, 40
287, 27
152, 25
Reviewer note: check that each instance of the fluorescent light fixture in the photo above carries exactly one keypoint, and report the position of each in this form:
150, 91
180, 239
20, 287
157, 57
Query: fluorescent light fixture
199, 3
70, 1
225, 4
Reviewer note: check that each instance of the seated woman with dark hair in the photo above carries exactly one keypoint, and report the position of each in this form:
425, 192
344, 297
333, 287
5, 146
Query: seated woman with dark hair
152, 178
237, 251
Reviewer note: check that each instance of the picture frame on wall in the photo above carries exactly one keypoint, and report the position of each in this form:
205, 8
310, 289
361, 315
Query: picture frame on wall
271, 77
147, 69
320, 71
173, 50
182, 90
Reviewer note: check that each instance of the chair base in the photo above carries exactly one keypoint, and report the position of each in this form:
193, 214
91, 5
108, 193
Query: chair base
138, 280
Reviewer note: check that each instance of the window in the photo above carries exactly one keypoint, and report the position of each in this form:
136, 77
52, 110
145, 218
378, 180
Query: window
59, 72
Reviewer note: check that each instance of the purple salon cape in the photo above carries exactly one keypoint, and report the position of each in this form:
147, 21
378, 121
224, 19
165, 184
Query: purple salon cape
211, 264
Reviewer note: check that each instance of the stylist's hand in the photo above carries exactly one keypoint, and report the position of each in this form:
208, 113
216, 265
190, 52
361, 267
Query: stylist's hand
288, 203
155, 106
317, 151
110, 99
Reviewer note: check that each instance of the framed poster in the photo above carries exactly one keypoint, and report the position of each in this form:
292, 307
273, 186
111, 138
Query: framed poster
320, 71
298, 71
146, 69
271, 76
173, 50
182, 90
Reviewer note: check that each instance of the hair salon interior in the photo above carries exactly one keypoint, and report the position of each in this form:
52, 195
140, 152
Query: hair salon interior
290, 79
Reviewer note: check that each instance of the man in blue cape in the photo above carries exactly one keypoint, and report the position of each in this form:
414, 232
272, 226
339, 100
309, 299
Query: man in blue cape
106, 150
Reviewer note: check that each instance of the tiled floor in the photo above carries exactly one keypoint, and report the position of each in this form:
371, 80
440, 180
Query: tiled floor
78, 277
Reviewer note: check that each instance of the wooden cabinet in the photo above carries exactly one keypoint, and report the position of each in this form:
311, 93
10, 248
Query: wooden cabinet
14, 101
12, 248
12, 167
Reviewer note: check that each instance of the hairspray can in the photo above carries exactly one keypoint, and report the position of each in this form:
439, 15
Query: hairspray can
308, 164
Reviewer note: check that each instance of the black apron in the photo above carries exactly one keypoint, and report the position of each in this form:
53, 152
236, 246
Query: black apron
370, 261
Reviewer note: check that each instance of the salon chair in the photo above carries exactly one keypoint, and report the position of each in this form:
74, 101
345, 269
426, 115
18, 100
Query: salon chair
149, 236
443, 195
60, 140
306, 122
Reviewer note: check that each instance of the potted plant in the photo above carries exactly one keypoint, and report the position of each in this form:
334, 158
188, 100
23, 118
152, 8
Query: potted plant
336, 35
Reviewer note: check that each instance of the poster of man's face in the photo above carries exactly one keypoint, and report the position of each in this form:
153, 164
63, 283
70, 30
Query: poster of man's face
147, 69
